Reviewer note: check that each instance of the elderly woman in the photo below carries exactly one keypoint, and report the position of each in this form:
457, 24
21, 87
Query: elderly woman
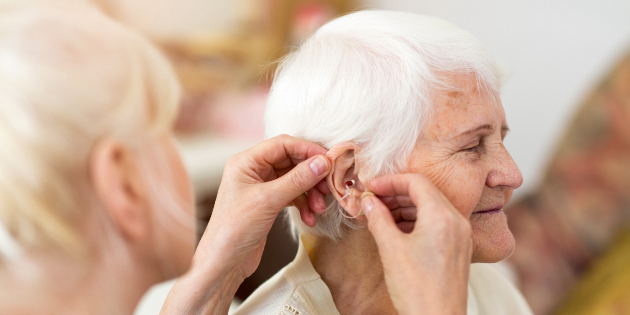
95, 205
389, 93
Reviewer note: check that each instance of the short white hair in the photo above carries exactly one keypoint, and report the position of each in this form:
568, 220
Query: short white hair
69, 76
368, 77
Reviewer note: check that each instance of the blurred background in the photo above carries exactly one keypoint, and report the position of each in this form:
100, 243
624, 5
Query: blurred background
567, 99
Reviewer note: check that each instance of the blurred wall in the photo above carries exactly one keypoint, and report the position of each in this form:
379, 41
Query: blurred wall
555, 52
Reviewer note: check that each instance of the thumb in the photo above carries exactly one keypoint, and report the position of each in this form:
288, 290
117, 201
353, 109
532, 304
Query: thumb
380, 221
300, 179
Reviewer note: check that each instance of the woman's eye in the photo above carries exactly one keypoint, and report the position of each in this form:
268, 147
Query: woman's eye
476, 147
472, 149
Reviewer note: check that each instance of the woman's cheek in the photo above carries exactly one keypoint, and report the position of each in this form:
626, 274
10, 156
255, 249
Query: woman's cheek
469, 190
460, 180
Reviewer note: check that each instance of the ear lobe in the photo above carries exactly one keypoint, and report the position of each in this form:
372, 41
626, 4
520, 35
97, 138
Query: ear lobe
118, 188
344, 169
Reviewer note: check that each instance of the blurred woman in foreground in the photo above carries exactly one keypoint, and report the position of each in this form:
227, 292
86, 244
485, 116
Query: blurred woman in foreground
95, 205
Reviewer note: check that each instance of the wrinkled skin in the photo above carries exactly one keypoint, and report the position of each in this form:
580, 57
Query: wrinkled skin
463, 155
460, 154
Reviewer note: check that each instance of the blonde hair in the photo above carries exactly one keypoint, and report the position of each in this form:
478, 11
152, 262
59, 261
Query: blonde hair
69, 76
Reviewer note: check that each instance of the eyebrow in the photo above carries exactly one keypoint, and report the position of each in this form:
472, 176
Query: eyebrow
482, 127
504, 129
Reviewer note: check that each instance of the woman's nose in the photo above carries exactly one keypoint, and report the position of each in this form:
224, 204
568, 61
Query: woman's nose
504, 172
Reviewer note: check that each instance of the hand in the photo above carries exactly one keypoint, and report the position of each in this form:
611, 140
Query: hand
257, 184
426, 262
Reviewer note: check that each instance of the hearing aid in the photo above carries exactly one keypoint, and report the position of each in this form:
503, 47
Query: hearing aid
349, 184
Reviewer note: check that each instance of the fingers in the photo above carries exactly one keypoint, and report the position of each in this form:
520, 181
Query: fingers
406, 226
294, 183
277, 150
323, 187
417, 187
316, 200
380, 222
313, 203
317, 197
307, 215
395, 202
404, 214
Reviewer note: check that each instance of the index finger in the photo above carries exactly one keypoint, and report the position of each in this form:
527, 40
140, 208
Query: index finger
417, 187
283, 147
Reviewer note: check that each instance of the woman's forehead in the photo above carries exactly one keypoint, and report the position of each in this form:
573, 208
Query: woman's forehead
463, 107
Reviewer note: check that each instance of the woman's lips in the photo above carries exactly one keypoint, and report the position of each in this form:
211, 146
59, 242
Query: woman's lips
489, 211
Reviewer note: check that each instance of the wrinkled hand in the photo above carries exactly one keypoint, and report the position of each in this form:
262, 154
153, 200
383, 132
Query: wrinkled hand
256, 185
424, 243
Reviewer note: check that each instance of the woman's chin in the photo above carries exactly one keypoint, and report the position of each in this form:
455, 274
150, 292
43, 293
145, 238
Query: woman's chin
492, 239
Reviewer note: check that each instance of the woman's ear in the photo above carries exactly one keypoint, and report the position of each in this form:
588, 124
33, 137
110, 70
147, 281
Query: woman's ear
343, 179
118, 188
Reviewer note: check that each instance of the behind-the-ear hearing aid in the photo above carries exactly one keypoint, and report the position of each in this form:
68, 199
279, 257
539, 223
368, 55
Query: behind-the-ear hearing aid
349, 184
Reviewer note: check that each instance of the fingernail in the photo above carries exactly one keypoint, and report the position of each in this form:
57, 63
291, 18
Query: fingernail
367, 206
321, 201
318, 166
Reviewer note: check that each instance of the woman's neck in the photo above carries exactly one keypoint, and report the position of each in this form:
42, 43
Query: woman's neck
352, 270
61, 287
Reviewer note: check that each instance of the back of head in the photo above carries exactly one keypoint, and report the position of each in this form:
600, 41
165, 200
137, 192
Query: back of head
368, 77
69, 76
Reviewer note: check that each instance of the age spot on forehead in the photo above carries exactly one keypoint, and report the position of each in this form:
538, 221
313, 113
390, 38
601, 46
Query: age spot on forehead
455, 94
454, 106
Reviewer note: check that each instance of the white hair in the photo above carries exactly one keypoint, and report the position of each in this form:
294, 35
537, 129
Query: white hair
69, 76
368, 77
